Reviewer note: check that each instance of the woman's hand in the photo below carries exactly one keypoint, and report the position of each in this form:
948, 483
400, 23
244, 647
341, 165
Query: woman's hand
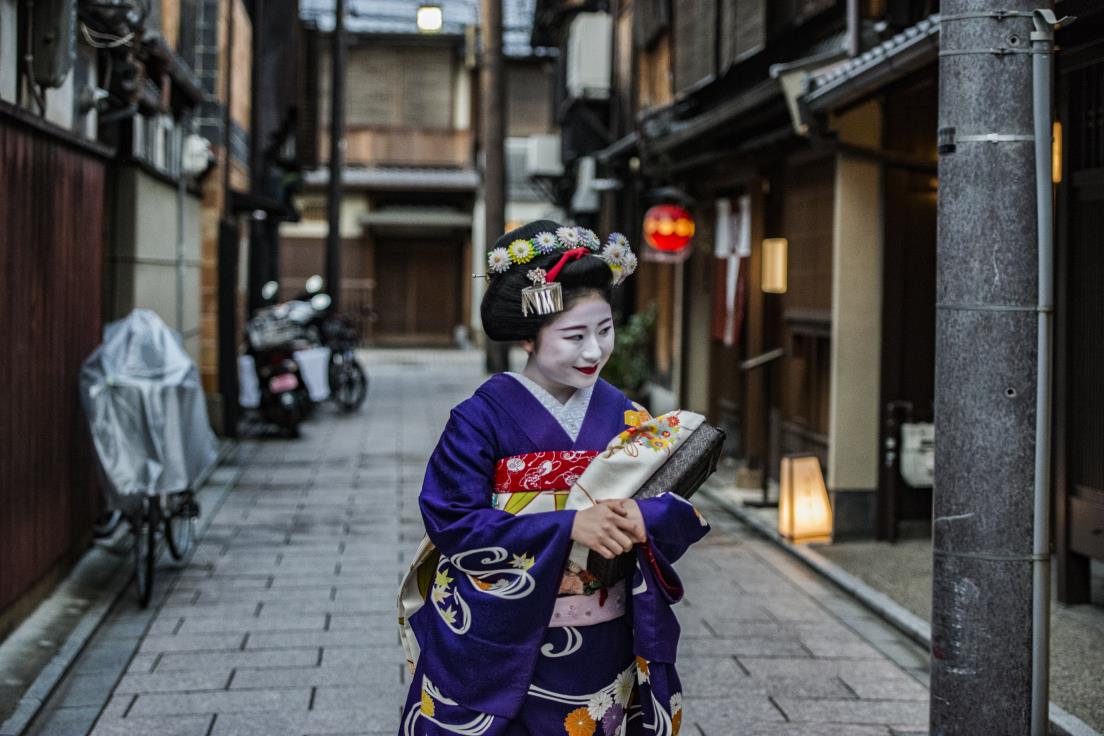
630, 511
609, 528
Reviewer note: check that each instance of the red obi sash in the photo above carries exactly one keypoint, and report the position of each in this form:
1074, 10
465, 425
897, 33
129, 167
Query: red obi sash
541, 471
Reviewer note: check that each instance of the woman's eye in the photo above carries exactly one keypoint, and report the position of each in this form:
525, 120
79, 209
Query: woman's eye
574, 337
606, 331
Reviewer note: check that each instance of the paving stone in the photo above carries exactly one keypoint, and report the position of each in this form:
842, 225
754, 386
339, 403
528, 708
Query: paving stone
751, 646
222, 701
883, 681
720, 728
194, 625
714, 677
358, 656
139, 726
873, 712
767, 667
174, 681
366, 673
174, 662
363, 637
837, 642
329, 722
191, 643
727, 716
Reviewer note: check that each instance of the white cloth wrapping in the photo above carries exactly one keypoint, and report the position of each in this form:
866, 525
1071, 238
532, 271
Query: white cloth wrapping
249, 388
630, 459
314, 367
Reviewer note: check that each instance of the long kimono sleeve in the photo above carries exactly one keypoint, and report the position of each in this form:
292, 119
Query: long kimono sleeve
673, 524
456, 500
496, 579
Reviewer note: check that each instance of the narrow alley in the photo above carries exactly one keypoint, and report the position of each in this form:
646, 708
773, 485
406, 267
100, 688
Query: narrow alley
284, 620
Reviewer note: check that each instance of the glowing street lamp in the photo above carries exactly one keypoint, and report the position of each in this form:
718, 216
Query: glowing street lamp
430, 17
804, 511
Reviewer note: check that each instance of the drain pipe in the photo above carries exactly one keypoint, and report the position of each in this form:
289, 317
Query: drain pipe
854, 28
1042, 42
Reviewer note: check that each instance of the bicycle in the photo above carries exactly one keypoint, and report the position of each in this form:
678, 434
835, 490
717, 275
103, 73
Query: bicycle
348, 379
171, 518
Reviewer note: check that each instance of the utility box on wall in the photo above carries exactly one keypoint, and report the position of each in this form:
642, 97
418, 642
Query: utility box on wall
53, 40
9, 58
589, 56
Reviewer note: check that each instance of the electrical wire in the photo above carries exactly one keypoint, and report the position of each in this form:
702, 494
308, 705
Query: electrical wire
99, 40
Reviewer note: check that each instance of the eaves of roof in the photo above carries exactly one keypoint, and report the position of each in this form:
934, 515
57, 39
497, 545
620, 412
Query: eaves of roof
624, 146
400, 179
680, 132
911, 49
416, 218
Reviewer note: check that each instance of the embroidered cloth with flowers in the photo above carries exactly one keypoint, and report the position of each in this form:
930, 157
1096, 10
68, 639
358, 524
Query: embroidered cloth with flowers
506, 631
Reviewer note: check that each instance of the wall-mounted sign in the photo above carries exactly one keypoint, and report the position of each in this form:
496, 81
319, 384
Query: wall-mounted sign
668, 228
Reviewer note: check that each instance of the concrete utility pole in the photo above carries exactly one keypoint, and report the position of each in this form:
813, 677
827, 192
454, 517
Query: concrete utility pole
987, 302
493, 113
337, 154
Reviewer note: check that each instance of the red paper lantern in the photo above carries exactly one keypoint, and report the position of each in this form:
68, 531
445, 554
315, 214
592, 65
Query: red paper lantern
668, 228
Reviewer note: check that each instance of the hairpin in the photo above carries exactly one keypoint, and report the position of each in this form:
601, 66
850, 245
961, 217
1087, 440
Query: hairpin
543, 297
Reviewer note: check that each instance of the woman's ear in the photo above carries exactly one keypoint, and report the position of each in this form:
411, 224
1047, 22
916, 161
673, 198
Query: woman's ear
529, 346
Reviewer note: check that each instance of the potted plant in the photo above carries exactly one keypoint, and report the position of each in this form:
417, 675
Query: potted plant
630, 364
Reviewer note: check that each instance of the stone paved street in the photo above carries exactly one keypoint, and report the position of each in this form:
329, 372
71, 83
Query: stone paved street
284, 621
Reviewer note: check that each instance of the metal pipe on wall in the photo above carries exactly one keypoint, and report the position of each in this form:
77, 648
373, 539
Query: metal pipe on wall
1042, 46
854, 28
337, 155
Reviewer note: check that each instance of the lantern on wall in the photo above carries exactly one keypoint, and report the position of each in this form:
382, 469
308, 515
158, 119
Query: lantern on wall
804, 511
668, 228
775, 261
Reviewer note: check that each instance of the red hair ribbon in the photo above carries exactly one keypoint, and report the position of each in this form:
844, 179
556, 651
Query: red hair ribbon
572, 255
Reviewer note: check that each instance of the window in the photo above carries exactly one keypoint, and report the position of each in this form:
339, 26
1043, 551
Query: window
393, 86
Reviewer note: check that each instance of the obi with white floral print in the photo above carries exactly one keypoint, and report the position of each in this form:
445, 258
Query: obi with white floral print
537, 481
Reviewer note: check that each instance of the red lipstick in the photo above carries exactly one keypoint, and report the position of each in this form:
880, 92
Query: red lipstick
587, 371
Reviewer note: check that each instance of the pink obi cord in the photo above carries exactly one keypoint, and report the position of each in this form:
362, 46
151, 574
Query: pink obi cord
587, 610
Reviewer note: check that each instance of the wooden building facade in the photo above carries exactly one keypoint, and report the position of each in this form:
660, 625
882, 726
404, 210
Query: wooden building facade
52, 242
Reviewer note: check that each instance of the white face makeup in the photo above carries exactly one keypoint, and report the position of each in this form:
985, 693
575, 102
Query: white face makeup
573, 347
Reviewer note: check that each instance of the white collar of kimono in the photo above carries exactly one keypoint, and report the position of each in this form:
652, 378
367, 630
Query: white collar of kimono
571, 414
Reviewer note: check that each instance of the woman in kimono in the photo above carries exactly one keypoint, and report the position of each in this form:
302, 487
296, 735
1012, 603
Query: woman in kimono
508, 637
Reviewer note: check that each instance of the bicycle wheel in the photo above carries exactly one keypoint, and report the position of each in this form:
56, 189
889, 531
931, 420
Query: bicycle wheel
145, 550
180, 526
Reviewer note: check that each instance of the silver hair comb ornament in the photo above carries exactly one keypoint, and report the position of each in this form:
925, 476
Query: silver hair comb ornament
542, 297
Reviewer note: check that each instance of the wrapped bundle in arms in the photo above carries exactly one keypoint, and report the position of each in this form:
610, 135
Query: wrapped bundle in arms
671, 453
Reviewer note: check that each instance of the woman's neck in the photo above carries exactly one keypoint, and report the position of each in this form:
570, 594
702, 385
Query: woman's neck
558, 391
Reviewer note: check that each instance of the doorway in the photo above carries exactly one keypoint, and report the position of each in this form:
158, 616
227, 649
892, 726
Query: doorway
417, 291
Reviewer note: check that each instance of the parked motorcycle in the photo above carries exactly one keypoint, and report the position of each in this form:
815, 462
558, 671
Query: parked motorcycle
273, 335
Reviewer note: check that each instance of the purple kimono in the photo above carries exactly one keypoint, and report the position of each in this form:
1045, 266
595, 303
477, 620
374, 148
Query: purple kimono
490, 662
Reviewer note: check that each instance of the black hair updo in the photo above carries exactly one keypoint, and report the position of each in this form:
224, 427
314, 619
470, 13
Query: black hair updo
500, 309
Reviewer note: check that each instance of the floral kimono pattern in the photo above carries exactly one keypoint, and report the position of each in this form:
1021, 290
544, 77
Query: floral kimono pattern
490, 663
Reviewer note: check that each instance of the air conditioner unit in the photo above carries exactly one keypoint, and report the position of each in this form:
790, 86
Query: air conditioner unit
543, 155
589, 56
